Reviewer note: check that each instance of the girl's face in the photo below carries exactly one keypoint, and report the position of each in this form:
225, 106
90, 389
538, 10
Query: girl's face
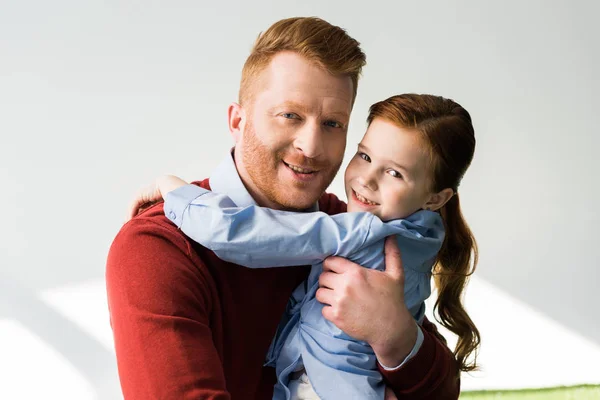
389, 174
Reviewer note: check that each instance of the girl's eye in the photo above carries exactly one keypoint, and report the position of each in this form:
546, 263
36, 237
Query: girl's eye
364, 157
395, 174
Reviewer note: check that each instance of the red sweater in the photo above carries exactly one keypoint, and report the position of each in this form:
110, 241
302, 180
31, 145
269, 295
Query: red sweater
188, 325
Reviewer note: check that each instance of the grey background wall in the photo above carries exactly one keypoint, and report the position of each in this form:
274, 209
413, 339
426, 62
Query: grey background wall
99, 97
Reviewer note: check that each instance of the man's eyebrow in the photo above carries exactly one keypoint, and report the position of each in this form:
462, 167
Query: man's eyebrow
291, 104
298, 106
340, 114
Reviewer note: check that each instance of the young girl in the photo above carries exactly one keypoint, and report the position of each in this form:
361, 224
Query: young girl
402, 181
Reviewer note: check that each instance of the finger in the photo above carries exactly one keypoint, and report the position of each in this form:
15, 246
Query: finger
332, 314
393, 260
329, 313
329, 280
143, 207
325, 296
135, 208
132, 210
138, 206
339, 265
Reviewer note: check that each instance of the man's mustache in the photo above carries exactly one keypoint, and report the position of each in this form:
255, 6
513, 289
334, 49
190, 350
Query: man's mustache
305, 162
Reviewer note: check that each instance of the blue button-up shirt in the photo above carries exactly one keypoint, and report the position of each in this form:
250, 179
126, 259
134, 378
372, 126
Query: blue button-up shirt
228, 222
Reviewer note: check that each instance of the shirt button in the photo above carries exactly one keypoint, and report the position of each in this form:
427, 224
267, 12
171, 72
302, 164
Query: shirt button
172, 215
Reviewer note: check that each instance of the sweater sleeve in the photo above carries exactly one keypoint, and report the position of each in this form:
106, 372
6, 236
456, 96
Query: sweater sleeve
259, 237
160, 315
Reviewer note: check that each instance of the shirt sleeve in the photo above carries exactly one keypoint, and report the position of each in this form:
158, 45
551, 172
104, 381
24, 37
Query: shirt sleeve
410, 355
259, 237
430, 374
163, 339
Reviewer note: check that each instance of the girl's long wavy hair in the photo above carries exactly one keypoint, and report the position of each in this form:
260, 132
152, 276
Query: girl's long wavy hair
447, 129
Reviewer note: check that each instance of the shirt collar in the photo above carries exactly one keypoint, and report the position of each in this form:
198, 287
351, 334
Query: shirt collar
226, 180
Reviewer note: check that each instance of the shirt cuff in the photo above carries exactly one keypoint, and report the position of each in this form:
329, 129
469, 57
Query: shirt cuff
412, 353
178, 200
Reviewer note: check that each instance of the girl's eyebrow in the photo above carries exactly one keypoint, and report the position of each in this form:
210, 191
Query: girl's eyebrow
363, 147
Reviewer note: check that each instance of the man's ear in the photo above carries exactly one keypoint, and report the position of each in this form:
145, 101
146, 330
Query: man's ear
236, 116
437, 200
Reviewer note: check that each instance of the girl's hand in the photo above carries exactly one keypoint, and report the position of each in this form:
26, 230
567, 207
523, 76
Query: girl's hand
153, 194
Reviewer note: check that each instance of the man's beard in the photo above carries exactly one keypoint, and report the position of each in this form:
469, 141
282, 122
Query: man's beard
262, 164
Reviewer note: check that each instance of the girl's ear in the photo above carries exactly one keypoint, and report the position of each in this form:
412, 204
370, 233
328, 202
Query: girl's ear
437, 200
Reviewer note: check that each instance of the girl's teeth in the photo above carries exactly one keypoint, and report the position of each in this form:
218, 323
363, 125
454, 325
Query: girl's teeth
364, 200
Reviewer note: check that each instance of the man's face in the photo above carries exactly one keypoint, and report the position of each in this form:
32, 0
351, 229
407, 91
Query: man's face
292, 135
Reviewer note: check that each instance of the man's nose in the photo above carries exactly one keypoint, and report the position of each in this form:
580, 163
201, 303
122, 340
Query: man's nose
309, 140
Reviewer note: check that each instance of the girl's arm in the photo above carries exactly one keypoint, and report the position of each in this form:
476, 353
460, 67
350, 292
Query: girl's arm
259, 237
154, 193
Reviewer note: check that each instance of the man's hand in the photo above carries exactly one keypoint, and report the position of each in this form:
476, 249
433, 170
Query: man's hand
153, 194
369, 304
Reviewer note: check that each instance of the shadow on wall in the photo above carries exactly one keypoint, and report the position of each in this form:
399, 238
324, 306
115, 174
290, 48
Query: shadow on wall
87, 355
551, 272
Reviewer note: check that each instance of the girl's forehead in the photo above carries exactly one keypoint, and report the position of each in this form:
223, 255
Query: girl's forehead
394, 143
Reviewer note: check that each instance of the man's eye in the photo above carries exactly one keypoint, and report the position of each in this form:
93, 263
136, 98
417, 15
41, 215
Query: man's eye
333, 124
289, 115
364, 157
395, 174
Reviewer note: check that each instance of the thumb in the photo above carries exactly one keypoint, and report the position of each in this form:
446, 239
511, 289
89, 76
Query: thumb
146, 196
393, 260
133, 208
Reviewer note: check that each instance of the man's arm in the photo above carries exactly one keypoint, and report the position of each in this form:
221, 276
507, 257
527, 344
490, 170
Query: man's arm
259, 237
431, 374
159, 307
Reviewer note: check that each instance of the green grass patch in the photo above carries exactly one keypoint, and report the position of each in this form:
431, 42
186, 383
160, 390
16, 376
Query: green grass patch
584, 392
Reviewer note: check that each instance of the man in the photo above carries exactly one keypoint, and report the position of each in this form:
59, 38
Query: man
188, 325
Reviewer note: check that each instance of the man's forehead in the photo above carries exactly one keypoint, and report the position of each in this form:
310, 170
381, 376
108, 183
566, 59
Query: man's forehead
290, 76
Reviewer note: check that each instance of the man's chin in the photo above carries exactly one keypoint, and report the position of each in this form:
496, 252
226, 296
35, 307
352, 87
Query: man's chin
297, 200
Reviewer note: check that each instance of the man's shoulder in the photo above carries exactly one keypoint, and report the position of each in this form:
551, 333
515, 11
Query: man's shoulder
329, 203
152, 266
153, 223
151, 255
